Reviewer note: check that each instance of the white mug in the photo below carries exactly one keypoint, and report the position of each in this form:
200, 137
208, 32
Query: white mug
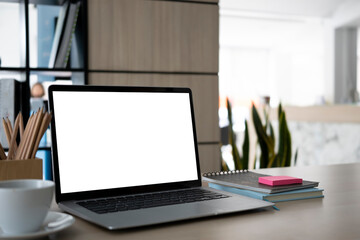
24, 204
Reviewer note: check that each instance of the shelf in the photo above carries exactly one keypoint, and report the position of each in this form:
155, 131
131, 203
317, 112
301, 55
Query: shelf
45, 147
13, 73
9, 1
28, 47
57, 69
28, 54
47, 2
41, 71
42, 2
55, 72
12, 69
23, 69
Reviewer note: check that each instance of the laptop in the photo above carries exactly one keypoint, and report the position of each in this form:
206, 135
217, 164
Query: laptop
126, 157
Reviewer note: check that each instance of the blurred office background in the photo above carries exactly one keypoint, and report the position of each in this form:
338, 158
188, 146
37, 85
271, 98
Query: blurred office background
304, 54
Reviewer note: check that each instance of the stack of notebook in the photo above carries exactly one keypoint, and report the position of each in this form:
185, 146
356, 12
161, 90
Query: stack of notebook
247, 183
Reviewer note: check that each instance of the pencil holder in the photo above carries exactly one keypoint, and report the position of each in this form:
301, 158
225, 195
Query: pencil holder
21, 169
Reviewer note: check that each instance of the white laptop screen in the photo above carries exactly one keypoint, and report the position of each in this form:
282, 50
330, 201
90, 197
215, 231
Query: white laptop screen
123, 139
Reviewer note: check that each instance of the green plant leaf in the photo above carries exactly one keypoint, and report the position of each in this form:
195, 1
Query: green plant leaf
255, 155
288, 143
224, 166
245, 148
228, 105
265, 142
236, 156
272, 134
282, 141
261, 136
266, 116
296, 156
284, 151
275, 162
232, 140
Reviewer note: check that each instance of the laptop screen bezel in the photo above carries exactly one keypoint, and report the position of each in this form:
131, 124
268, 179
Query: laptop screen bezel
116, 191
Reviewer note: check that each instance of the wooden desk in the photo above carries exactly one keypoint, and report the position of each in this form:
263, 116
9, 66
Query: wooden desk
337, 216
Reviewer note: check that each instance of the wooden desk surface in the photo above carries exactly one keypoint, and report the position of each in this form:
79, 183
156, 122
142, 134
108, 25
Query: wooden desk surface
337, 216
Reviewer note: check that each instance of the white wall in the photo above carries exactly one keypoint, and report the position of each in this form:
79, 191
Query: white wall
341, 60
271, 56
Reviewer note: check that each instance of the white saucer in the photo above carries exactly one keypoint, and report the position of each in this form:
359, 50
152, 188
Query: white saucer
51, 218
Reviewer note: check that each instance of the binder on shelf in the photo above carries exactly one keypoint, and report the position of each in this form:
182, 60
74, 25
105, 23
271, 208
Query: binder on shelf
65, 45
65, 29
248, 180
77, 48
58, 34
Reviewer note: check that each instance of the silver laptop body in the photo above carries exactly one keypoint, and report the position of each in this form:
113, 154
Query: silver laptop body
120, 142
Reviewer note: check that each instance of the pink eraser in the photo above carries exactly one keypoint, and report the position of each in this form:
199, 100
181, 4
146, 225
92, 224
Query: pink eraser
279, 180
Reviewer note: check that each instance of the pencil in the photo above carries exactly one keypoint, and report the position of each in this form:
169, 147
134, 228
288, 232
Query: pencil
2, 153
9, 126
22, 145
34, 134
13, 145
28, 136
44, 125
21, 126
10, 132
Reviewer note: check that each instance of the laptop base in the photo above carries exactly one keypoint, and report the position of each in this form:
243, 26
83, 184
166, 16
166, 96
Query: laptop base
165, 214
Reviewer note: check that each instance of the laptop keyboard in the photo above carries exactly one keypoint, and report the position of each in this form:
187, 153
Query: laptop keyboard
126, 203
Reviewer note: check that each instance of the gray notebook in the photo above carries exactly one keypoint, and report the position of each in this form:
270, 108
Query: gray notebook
250, 181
